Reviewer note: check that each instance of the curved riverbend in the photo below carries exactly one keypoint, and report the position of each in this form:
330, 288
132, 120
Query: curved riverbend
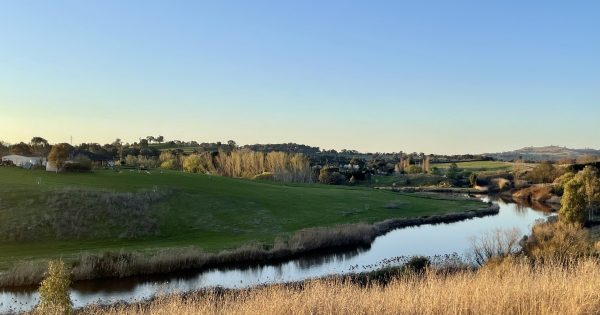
428, 240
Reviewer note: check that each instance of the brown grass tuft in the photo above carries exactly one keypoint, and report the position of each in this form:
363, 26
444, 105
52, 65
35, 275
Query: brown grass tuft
517, 288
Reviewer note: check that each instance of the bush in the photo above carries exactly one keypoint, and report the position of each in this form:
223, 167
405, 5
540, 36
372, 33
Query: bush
413, 169
331, 176
573, 203
418, 263
54, 290
551, 241
494, 245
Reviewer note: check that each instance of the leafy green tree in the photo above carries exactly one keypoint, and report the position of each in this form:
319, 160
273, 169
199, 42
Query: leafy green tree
39, 146
573, 202
54, 290
20, 148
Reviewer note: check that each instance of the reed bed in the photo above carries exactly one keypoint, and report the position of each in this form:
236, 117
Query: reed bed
511, 287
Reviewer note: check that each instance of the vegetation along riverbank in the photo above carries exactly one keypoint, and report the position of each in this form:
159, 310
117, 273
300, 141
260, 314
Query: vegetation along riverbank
109, 224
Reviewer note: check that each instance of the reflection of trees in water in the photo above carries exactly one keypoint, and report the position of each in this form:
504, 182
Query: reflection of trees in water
521, 206
317, 260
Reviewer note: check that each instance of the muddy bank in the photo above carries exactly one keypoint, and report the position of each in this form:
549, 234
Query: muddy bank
304, 242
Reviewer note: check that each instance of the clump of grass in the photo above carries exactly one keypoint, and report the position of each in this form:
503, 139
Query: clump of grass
338, 236
26, 273
519, 287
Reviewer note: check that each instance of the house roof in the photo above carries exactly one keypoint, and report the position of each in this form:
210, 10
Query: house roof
91, 155
12, 156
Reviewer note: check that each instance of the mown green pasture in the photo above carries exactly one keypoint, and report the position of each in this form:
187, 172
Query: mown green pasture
48, 215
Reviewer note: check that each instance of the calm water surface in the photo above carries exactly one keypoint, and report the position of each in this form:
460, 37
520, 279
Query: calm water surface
427, 240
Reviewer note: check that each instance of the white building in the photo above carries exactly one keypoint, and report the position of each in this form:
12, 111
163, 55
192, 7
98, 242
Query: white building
24, 161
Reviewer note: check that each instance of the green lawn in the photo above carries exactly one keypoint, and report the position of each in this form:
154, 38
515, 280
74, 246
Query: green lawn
211, 212
479, 166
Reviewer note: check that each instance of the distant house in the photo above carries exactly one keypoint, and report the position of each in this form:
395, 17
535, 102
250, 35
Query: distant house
98, 160
24, 161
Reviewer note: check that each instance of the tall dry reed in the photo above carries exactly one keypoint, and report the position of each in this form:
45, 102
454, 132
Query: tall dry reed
513, 287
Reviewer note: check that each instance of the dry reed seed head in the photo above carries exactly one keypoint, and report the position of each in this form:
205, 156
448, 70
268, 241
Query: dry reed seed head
524, 288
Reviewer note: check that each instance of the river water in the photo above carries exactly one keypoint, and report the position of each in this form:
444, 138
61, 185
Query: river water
427, 240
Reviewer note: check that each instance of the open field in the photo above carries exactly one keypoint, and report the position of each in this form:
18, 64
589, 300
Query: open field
511, 288
47, 215
479, 166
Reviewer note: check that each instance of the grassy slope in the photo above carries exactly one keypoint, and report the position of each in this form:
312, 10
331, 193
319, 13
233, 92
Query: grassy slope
479, 166
211, 212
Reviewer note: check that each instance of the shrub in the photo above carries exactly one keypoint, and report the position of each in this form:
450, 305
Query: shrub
494, 245
54, 290
551, 241
192, 164
417, 263
331, 176
573, 203
413, 169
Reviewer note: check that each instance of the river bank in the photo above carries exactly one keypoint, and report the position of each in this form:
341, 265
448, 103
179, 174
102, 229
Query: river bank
304, 242
424, 240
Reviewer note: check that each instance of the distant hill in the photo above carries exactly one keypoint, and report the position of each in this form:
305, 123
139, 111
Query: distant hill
547, 153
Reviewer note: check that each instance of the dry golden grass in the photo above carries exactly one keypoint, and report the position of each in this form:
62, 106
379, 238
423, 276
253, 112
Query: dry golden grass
510, 287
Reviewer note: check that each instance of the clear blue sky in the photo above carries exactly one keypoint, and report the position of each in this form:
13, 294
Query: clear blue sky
432, 76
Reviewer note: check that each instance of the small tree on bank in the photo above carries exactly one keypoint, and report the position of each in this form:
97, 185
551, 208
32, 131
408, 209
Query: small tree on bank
54, 290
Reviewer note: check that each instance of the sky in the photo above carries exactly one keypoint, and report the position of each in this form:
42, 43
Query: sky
375, 76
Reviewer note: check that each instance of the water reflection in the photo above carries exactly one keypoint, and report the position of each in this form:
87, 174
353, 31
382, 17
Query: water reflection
428, 240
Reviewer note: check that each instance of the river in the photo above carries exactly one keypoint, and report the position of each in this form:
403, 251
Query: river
427, 240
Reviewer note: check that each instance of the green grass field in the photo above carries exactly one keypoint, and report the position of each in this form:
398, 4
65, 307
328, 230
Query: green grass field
479, 166
210, 212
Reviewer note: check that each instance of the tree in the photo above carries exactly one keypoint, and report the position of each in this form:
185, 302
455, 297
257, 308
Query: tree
573, 202
54, 290
59, 154
160, 139
20, 148
39, 146
3, 148
150, 139
590, 177
581, 195
453, 172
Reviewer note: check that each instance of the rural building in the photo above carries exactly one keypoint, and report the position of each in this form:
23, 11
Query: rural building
24, 161
98, 160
